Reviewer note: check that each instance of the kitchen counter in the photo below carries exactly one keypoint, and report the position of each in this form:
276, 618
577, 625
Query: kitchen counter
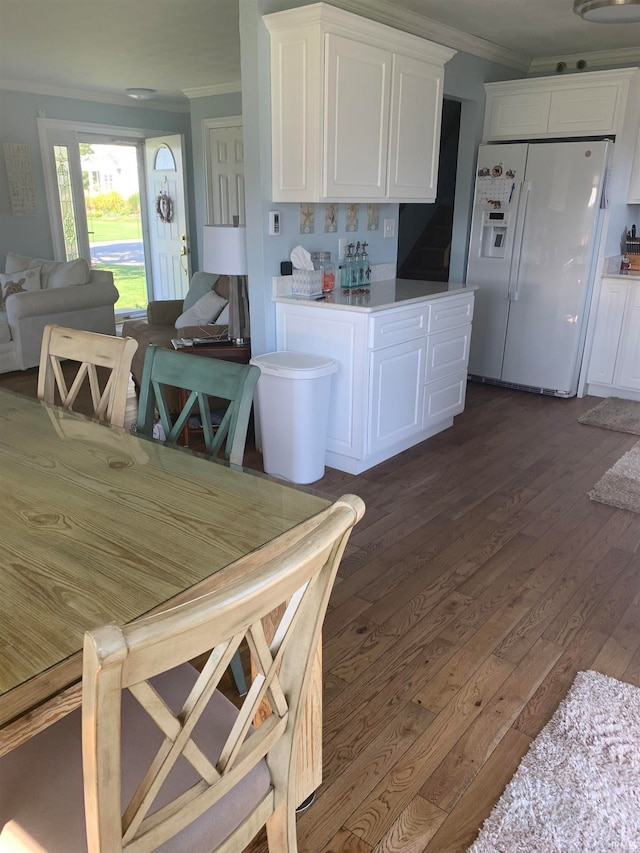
379, 295
402, 352
633, 275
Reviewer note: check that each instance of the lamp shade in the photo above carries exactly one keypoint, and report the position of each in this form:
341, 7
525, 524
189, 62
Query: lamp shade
225, 250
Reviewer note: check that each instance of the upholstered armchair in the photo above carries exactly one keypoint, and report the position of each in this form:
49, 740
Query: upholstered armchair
200, 314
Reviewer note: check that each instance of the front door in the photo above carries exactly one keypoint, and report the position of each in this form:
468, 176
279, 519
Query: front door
166, 194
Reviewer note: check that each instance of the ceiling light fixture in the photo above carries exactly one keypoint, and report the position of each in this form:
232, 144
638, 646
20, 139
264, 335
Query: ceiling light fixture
141, 94
608, 11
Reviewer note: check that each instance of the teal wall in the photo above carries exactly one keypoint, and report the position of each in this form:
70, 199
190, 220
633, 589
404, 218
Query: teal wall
464, 78
19, 111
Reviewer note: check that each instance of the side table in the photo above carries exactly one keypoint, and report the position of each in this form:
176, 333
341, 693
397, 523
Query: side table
239, 353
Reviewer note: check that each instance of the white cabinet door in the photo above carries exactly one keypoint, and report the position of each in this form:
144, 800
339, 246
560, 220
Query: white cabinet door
296, 114
519, 115
444, 398
628, 363
414, 139
447, 352
357, 93
396, 381
606, 337
589, 109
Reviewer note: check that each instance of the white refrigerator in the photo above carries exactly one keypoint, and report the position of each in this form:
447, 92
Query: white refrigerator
534, 242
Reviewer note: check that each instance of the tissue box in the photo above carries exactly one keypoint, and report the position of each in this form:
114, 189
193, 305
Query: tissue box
307, 282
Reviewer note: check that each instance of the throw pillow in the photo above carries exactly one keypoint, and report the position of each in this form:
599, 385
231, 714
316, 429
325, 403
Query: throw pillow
53, 274
223, 318
201, 283
206, 310
19, 282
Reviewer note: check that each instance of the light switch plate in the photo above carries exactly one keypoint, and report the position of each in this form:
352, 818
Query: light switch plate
389, 228
274, 223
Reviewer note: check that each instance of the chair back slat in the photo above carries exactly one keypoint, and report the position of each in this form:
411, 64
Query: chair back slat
90, 350
293, 575
201, 379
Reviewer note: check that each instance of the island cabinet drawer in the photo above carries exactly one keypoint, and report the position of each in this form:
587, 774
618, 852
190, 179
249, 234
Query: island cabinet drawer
445, 313
393, 327
447, 352
444, 398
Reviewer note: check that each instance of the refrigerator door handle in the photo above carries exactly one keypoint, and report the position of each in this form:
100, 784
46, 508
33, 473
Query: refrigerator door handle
513, 293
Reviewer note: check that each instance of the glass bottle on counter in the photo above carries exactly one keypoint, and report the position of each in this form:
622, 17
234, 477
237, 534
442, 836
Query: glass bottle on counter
356, 279
366, 270
347, 268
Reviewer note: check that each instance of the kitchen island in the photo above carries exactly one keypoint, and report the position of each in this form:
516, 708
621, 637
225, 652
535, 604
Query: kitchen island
402, 349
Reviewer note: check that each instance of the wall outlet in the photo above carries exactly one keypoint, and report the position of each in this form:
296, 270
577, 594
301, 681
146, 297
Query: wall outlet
342, 248
274, 223
389, 228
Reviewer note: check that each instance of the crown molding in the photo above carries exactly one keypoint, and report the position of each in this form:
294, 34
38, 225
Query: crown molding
215, 89
386, 12
96, 97
596, 59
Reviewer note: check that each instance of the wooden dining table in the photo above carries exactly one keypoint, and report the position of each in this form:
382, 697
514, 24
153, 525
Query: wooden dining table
100, 525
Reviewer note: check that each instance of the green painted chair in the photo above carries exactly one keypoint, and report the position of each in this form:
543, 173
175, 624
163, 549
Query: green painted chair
202, 378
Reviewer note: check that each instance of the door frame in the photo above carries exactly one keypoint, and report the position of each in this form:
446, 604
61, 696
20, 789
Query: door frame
60, 131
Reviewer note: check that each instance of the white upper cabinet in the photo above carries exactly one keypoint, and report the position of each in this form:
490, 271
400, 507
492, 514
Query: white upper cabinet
359, 76
576, 105
414, 138
634, 183
355, 108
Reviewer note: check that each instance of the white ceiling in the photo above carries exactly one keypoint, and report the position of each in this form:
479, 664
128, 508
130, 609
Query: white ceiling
193, 46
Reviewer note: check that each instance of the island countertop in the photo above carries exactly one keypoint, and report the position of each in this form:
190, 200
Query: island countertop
377, 296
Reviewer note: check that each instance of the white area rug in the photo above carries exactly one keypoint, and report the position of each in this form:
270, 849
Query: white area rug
620, 486
614, 413
577, 790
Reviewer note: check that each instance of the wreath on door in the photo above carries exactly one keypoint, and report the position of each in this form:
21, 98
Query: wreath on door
164, 207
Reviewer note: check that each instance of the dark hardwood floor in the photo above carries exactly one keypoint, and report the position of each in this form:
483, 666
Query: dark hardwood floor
481, 579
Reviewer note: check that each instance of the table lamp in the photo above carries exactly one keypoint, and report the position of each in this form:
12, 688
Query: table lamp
225, 253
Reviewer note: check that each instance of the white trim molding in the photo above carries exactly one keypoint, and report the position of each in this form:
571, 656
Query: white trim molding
596, 59
97, 97
214, 89
386, 12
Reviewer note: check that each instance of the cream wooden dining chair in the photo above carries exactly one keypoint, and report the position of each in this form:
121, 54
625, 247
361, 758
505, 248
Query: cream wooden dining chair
92, 351
169, 763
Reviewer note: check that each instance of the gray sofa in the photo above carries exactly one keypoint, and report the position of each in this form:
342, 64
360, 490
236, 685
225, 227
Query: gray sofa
71, 294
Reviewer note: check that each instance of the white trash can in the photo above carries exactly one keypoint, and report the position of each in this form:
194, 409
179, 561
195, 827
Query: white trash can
292, 402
